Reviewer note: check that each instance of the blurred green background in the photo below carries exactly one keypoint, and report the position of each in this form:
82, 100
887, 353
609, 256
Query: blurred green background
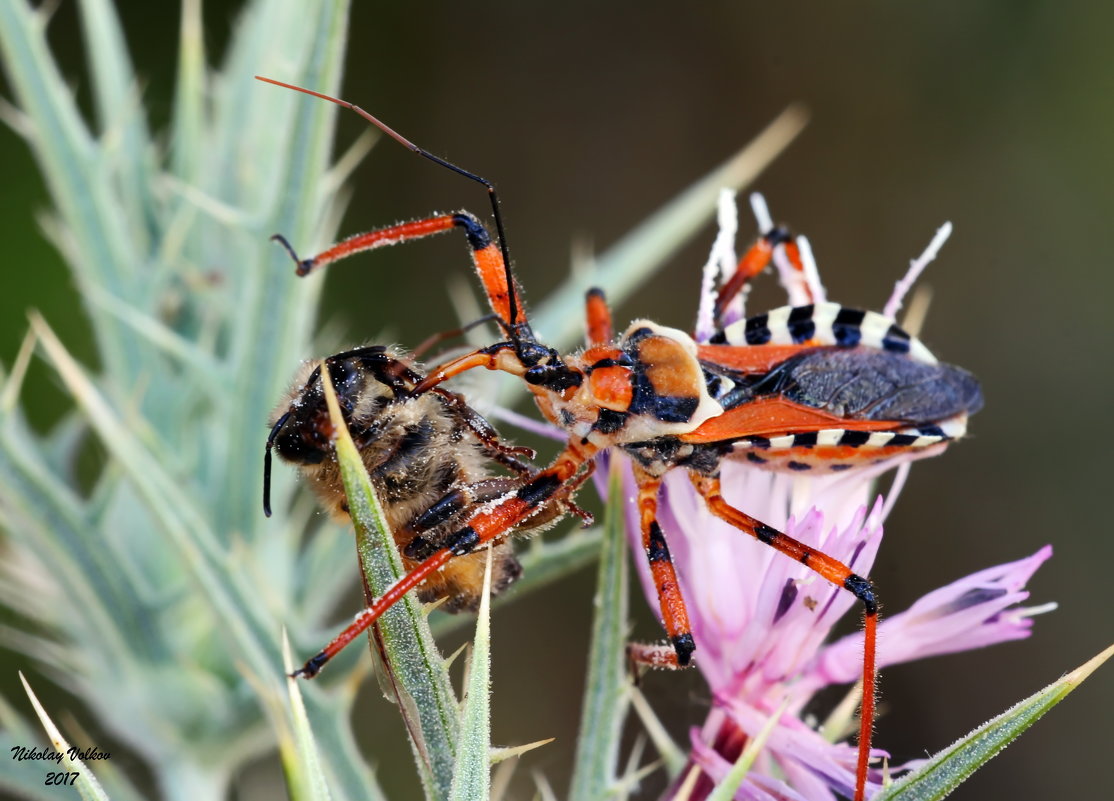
996, 116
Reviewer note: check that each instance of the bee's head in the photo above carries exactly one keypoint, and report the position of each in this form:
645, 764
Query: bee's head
365, 381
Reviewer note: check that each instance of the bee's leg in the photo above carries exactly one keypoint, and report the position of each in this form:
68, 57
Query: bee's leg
492, 445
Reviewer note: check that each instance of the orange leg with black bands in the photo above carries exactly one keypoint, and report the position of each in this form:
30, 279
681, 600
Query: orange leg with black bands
674, 615
753, 262
486, 491
831, 570
372, 613
526, 501
514, 317
481, 529
598, 316
486, 256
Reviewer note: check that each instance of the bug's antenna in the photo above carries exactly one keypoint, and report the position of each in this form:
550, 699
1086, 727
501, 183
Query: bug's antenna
402, 140
267, 462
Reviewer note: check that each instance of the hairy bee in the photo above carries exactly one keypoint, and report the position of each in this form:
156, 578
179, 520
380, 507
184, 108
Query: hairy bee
429, 457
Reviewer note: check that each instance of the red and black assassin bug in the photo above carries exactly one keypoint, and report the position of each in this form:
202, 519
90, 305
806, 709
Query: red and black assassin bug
815, 387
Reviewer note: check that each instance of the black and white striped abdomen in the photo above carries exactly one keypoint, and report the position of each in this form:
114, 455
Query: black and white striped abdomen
838, 449
825, 324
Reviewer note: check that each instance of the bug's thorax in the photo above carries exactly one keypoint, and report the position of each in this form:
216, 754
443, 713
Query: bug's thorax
648, 384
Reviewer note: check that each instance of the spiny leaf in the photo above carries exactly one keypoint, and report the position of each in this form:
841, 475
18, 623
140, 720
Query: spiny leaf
187, 135
86, 783
952, 766
227, 593
606, 694
498, 755
414, 664
288, 161
670, 753
81, 190
470, 775
307, 778
126, 142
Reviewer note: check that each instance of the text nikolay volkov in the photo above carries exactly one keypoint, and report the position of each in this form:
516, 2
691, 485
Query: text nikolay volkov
21, 753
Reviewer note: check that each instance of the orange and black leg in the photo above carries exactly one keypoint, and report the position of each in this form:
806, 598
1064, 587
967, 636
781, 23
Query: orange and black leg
462, 499
486, 258
753, 262
492, 260
450, 506
829, 569
482, 528
674, 615
535, 364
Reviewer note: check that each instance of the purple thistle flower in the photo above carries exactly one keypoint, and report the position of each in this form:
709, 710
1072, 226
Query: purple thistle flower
761, 620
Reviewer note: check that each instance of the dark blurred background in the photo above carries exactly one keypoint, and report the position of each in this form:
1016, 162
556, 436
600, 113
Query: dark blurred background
994, 115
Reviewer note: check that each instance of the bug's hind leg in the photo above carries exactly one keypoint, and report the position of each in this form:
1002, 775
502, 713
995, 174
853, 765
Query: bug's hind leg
829, 569
753, 262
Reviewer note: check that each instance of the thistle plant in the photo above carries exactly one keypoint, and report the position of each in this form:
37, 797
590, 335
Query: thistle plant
156, 592
158, 595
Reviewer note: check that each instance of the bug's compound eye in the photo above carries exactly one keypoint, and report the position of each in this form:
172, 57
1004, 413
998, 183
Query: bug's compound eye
533, 353
555, 377
536, 375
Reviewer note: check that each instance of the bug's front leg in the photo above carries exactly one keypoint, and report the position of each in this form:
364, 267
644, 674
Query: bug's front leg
487, 259
484, 527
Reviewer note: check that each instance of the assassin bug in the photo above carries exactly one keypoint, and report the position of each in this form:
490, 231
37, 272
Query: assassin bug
812, 387
427, 454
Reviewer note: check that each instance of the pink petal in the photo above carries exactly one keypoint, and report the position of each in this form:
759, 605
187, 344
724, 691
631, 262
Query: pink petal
973, 612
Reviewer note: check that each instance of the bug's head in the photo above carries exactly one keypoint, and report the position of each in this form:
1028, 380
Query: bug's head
554, 375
